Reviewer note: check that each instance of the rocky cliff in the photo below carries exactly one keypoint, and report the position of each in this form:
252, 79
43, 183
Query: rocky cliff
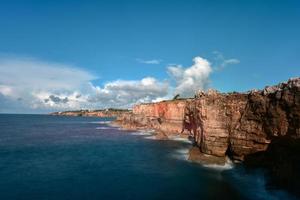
234, 124
93, 113
261, 128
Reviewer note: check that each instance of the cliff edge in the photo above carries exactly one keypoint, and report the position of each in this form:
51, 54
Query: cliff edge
259, 127
235, 124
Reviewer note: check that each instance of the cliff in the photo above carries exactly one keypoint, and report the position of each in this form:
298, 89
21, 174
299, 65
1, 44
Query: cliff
93, 113
260, 128
235, 124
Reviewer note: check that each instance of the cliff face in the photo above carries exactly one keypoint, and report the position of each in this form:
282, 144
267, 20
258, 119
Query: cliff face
165, 117
237, 124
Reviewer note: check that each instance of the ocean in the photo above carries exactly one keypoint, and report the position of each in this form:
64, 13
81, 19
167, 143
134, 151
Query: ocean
59, 157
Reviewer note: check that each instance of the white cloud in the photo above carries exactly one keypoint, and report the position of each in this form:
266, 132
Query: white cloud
30, 85
221, 62
6, 90
40, 85
150, 62
125, 93
31, 81
231, 61
191, 79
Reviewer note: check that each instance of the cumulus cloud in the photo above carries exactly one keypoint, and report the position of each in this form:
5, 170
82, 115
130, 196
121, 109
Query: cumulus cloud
32, 81
191, 79
31, 85
150, 62
47, 86
125, 93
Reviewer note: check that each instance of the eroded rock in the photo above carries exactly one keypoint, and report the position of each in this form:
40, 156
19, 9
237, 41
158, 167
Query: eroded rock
237, 124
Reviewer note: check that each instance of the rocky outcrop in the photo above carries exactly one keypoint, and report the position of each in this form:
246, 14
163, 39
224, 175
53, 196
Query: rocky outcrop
165, 117
93, 113
234, 124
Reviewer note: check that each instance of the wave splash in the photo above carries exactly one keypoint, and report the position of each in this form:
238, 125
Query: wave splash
180, 139
100, 122
227, 166
182, 154
104, 128
141, 133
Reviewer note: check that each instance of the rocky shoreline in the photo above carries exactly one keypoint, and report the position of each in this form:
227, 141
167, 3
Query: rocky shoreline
235, 124
260, 128
93, 113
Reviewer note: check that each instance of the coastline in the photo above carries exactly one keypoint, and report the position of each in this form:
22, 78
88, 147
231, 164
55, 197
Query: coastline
194, 154
110, 112
259, 128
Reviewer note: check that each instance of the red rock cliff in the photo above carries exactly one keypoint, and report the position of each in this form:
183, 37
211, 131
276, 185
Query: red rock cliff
238, 124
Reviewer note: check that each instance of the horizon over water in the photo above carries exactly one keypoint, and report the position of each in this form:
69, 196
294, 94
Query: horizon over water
59, 157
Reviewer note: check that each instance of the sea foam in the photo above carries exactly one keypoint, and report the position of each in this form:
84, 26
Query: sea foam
141, 133
181, 139
104, 128
100, 122
152, 137
181, 154
227, 166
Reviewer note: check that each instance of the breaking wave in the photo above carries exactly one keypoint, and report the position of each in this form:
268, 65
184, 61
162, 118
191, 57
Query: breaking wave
100, 122
181, 139
227, 166
141, 133
181, 154
104, 128
152, 137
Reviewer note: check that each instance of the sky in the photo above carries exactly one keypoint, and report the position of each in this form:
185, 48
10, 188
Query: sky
69, 55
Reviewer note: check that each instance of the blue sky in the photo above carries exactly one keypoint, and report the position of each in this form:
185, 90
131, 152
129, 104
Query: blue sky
115, 41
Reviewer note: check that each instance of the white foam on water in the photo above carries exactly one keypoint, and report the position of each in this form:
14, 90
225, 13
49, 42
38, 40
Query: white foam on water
150, 131
181, 154
105, 122
141, 133
100, 122
152, 137
104, 128
227, 166
181, 139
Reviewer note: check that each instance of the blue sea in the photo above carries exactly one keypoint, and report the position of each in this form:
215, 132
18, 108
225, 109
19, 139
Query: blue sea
59, 157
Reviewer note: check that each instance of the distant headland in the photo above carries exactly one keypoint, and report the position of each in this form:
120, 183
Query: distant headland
110, 112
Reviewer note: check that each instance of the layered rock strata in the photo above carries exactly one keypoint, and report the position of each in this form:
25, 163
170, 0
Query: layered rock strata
235, 124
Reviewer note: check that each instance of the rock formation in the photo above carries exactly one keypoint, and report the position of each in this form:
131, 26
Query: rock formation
261, 128
234, 124
93, 113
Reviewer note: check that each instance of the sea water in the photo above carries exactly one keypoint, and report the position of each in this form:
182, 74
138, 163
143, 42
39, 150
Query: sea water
59, 157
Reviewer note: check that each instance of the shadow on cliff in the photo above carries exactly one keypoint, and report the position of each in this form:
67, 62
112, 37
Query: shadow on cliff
281, 162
